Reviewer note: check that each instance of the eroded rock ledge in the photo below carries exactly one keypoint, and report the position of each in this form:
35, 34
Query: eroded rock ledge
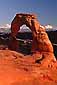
17, 69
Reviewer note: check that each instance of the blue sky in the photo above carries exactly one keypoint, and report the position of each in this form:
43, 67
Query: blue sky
45, 9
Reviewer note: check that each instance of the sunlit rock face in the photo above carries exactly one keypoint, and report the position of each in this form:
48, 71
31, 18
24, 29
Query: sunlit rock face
17, 69
42, 41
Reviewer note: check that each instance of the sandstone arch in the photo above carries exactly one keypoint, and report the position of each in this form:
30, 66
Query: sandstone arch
40, 42
18, 21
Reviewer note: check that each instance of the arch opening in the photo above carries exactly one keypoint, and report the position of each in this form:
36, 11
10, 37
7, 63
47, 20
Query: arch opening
24, 38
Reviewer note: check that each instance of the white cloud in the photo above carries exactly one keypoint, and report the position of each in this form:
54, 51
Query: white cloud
24, 28
7, 26
49, 27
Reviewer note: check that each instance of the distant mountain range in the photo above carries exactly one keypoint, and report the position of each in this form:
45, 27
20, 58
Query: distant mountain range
24, 28
3, 30
8, 30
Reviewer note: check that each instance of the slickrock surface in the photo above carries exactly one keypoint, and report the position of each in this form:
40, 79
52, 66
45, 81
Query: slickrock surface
17, 69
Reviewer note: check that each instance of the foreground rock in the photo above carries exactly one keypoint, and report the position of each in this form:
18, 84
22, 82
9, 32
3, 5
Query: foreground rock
17, 69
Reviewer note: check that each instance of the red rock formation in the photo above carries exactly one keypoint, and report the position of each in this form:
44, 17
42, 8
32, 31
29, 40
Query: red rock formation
40, 37
18, 21
40, 43
17, 69
39, 68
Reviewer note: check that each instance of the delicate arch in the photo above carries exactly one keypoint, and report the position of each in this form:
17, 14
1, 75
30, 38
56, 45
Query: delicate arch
39, 35
18, 21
